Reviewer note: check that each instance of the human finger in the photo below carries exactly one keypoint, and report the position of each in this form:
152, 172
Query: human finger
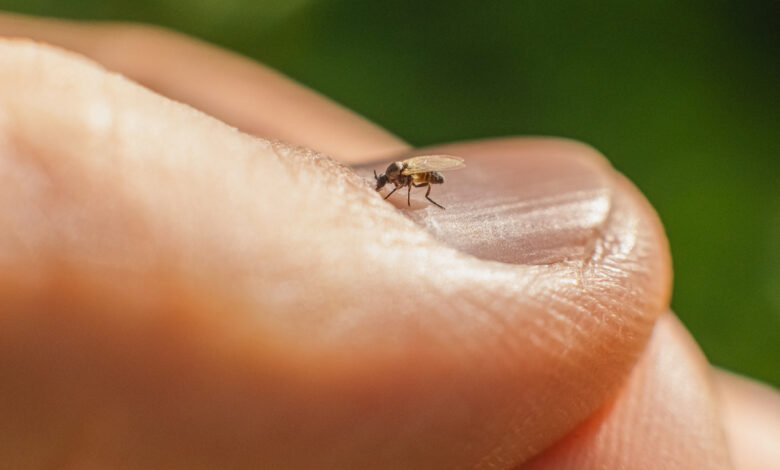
665, 416
206, 298
232, 88
751, 415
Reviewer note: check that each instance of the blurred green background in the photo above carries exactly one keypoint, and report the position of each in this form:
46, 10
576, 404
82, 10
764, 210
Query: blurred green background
683, 97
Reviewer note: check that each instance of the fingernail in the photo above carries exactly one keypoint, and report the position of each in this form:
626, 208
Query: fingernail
529, 201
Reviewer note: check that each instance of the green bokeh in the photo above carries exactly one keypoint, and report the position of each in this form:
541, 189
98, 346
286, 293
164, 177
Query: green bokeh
683, 97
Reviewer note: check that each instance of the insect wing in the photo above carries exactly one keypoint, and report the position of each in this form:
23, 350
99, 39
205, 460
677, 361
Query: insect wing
425, 163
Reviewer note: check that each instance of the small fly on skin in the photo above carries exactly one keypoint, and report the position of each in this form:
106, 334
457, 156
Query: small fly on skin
418, 172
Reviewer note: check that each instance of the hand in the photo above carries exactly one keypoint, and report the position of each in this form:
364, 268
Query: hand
177, 294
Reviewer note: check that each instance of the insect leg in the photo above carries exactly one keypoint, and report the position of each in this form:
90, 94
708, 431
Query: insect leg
409, 196
391, 192
426, 197
417, 185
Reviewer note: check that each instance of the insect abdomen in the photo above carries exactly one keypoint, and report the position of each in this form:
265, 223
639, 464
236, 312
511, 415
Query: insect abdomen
430, 177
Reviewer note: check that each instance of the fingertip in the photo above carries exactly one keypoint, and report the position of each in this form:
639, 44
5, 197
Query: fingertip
664, 417
751, 419
589, 257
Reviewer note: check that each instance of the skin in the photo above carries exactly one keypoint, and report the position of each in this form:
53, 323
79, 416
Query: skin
178, 294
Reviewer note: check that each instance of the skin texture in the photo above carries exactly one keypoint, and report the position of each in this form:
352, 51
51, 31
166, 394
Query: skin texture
178, 294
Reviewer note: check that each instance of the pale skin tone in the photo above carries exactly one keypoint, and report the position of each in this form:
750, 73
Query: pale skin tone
177, 294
